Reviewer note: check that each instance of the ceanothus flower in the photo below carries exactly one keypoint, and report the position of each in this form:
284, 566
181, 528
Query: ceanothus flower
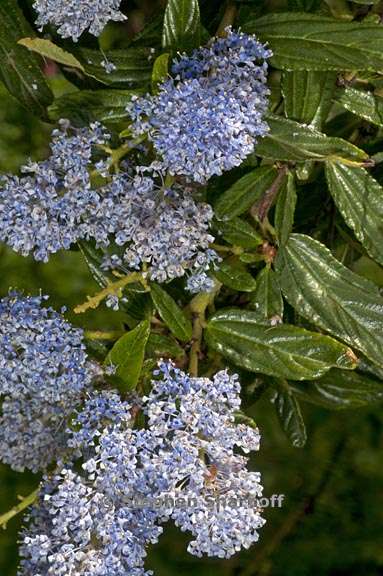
99, 518
78, 529
199, 282
73, 17
49, 207
44, 372
148, 226
84, 523
159, 228
198, 463
208, 118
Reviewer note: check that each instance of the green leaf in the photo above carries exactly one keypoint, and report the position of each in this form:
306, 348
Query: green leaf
163, 347
362, 103
359, 198
285, 209
138, 307
86, 106
93, 260
301, 41
238, 232
171, 313
339, 390
290, 141
181, 29
284, 351
235, 276
290, 417
267, 300
243, 193
160, 69
48, 49
331, 296
127, 355
19, 69
308, 96
133, 66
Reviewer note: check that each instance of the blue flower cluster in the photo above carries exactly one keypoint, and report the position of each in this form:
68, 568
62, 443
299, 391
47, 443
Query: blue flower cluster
83, 524
101, 519
195, 420
73, 17
160, 228
145, 223
44, 373
49, 208
208, 119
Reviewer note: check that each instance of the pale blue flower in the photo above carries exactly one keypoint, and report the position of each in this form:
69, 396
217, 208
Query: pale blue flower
44, 372
73, 17
209, 117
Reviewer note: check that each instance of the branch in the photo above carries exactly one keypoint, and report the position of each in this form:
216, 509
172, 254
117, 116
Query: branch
113, 289
228, 17
99, 335
198, 308
261, 208
25, 502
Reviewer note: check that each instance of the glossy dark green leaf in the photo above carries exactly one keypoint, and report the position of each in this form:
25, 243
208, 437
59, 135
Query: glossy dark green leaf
137, 306
302, 41
174, 318
285, 209
235, 276
290, 141
127, 355
181, 29
267, 301
339, 390
308, 96
238, 232
133, 66
331, 296
361, 103
290, 417
19, 68
242, 195
86, 106
163, 347
359, 198
284, 351
93, 260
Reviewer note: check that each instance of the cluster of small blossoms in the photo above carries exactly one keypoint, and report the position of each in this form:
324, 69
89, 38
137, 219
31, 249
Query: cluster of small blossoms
49, 207
44, 373
160, 228
83, 524
196, 421
73, 17
208, 118
100, 519
55, 205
